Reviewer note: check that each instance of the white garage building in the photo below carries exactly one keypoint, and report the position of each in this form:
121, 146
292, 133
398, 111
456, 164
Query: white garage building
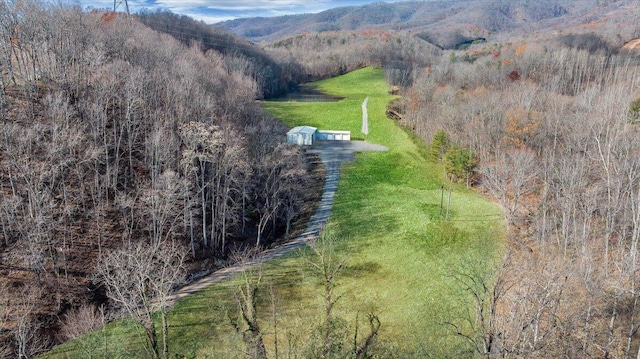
302, 135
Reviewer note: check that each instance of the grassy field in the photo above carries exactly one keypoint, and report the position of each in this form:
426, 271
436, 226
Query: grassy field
387, 227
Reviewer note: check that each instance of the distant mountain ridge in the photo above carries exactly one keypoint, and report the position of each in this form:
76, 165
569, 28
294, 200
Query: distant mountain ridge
444, 22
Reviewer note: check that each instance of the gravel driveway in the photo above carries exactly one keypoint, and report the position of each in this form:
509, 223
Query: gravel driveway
332, 154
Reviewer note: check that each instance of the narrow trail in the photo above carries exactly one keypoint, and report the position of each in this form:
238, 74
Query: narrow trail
333, 154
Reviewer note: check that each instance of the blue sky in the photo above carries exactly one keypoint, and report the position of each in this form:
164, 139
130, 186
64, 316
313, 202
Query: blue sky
211, 11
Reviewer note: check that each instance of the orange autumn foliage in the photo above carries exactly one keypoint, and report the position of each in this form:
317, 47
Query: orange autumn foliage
521, 124
107, 17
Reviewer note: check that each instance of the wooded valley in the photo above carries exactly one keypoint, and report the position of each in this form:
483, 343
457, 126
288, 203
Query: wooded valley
129, 137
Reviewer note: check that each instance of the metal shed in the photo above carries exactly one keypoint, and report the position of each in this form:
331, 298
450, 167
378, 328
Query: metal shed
332, 135
302, 135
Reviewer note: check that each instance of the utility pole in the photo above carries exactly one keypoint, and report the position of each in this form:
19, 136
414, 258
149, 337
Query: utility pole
449, 201
441, 198
116, 4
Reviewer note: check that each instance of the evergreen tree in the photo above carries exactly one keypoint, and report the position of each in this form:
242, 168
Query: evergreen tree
460, 163
439, 146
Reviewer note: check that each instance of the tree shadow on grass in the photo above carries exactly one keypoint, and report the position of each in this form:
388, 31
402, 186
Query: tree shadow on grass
360, 225
206, 315
432, 211
362, 269
437, 236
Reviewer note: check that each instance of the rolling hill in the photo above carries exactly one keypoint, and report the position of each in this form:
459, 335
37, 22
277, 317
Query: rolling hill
449, 23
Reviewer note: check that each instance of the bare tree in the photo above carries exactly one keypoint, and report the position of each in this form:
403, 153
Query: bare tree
201, 148
162, 206
81, 321
268, 198
5, 347
138, 279
327, 265
29, 338
511, 177
361, 350
481, 328
227, 172
246, 323
280, 185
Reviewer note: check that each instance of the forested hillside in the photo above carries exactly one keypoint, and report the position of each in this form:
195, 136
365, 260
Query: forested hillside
112, 135
318, 56
549, 129
240, 55
451, 23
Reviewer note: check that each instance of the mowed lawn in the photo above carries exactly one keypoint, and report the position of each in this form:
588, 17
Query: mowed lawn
399, 251
387, 218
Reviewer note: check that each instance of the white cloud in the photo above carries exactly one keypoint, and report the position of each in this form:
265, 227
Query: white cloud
212, 11
210, 19
267, 6
243, 5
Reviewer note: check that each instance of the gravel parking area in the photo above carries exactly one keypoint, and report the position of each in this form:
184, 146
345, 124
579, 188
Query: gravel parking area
342, 151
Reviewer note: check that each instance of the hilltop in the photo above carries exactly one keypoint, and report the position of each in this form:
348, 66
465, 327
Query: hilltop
451, 23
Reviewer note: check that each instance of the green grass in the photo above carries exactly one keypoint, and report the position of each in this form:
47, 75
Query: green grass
388, 226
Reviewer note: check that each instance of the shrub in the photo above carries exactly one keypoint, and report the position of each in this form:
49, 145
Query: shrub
634, 109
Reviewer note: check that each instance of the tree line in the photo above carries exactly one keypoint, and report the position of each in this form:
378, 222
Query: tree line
114, 134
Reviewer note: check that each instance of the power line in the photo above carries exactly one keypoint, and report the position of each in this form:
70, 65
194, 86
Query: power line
116, 4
